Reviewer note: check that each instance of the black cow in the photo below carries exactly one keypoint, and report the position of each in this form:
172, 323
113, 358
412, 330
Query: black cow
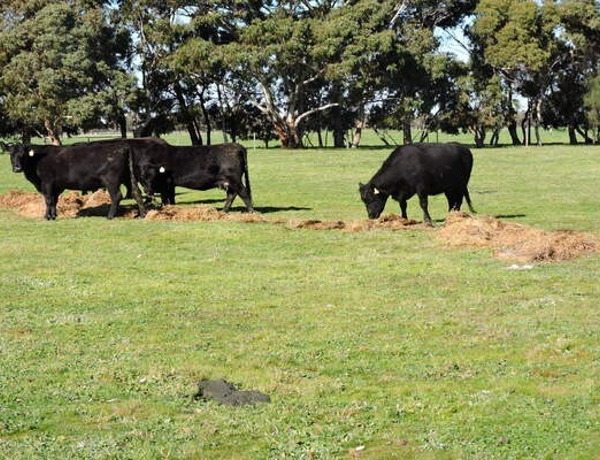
421, 169
53, 169
126, 142
161, 168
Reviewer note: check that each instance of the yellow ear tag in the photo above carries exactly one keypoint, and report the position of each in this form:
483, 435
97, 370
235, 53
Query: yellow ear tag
31, 153
375, 191
161, 169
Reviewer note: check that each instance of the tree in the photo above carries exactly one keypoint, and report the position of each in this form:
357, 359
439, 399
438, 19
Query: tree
579, 42
55, 60
592, 105
517, 39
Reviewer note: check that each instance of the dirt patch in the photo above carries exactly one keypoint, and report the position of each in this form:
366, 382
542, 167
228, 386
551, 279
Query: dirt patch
516, 242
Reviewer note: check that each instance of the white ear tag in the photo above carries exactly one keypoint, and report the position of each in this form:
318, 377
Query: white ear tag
161, 169
375, 191
31, 153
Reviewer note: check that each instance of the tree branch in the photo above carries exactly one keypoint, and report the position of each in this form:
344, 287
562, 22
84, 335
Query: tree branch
299, 118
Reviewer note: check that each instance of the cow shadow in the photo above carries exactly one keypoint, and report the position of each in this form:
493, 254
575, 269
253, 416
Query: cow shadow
270, 209
128, 210
509, 216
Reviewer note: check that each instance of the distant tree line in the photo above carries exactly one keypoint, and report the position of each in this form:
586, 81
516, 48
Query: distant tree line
279, 70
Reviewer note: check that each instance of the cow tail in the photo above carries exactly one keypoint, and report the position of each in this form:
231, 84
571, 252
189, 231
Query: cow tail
135, 191
246, 176
469, 167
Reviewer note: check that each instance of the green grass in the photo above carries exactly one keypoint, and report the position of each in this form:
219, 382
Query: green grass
387, 340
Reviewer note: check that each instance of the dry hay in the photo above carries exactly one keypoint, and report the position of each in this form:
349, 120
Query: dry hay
511, 242
515, 242
386, 222
70, 204
201, 214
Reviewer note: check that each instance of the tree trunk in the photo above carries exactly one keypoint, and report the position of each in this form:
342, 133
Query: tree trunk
188, 118
512, 119
320, 138
479, 131
381, 136
206, 119
586, 138
495, 137
538, 121
357, 134
123, 126
52, 133
288, 134
406, 131
572, 135
336, 117
512, 130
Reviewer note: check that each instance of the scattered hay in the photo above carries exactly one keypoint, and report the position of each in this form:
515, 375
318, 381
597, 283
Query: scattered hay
70, 204
515, 242
200, 214
387, 222
511, 242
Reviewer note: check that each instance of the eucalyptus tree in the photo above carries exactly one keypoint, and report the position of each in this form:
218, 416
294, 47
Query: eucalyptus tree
517, 38
579, 41
58, 63
592, 106
415, 80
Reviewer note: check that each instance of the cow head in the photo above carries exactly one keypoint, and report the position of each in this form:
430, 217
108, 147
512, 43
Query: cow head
18, 154
373, 199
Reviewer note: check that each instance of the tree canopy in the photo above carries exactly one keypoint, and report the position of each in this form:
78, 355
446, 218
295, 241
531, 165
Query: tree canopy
286, 68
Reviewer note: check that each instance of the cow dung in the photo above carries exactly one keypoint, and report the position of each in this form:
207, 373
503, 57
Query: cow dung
227, 394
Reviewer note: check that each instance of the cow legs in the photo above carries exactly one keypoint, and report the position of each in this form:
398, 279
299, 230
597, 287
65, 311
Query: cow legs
424, 206
244, 195
403, 198
454, 201
115, 199
403, 207
51, 200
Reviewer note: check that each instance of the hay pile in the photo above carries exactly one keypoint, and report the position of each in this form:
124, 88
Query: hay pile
70, 204
200, 214
510, 242
515, 242
386, 222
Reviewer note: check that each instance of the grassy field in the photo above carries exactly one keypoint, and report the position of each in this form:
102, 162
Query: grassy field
371, 345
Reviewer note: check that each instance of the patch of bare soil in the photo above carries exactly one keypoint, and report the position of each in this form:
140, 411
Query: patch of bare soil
515, 242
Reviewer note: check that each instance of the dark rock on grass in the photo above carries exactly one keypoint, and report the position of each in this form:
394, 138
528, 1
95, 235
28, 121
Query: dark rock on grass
226, 393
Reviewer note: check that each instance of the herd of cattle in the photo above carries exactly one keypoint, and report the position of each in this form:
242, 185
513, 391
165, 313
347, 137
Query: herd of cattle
158, 167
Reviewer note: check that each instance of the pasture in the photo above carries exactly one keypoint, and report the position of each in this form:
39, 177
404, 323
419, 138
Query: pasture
374, 344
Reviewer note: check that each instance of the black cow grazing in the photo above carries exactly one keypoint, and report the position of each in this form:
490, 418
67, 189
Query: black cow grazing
421, 169
53, 169
161, 168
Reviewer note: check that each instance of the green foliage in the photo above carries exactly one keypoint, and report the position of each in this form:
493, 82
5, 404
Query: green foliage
592, 103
